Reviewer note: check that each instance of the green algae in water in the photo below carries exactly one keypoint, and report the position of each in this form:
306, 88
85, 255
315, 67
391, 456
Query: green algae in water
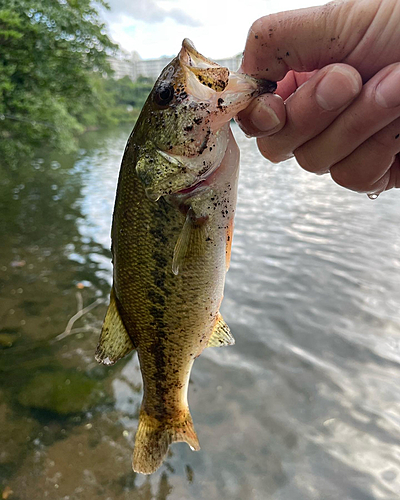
61, 392
7, 339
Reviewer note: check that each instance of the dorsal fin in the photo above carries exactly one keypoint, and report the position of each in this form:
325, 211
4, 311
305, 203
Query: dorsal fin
191, 241
114, 342
221, 334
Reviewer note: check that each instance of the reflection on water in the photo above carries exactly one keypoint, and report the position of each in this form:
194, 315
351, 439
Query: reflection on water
306, 405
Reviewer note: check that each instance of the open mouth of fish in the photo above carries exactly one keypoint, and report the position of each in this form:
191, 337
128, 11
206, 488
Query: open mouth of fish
227, 92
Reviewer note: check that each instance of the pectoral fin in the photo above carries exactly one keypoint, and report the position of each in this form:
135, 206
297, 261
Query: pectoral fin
114, 342
191, 241
221, 334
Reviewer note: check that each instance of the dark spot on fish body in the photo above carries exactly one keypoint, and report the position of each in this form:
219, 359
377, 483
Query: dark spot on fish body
159, 235
397, 136
155, 297
157, 313
159, 259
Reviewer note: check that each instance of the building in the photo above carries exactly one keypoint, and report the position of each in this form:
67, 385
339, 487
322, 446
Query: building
150, 67
232, 63
133, 66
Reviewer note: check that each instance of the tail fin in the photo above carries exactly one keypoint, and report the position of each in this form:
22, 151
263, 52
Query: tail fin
154, 437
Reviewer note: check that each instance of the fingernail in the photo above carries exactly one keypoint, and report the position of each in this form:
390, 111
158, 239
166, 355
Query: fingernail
387, 92
264, 118
337, 88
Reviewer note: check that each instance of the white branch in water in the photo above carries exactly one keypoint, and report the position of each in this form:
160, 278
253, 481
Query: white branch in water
81, 312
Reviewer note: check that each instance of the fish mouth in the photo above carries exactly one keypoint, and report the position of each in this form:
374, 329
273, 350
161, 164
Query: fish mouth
190, 56
227, 92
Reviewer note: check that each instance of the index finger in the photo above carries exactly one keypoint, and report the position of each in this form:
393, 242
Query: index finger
306, 39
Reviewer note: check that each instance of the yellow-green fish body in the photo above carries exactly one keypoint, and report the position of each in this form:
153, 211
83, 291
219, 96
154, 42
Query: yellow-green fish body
171, 239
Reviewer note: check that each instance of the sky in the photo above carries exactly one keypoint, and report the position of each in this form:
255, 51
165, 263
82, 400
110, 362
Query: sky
217, 28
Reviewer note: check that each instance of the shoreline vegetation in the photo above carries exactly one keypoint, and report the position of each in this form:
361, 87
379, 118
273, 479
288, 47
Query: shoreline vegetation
55, 78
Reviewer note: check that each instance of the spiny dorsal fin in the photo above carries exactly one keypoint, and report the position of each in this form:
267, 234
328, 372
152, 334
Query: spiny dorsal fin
114, 342
191, 241
221, 334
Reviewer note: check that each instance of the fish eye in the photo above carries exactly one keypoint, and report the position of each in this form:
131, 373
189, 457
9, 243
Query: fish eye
164, 95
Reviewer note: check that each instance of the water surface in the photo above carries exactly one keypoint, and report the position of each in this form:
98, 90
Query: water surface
306, 405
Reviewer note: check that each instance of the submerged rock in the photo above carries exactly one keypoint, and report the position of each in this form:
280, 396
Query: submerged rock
61, 392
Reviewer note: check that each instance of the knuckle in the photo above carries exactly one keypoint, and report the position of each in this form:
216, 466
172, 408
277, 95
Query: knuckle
352, 126
261, 27
257, 27
268, 149
380, 141
309, 161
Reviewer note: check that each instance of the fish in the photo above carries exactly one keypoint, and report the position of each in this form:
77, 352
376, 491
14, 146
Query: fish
171, 240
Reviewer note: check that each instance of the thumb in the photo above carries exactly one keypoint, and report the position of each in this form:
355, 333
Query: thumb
306, 39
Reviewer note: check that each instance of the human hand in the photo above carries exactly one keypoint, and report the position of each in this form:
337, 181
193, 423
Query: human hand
343, 118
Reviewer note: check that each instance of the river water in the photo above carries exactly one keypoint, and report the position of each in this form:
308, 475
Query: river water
306, 405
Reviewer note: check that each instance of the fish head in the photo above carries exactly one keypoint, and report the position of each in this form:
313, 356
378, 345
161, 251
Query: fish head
184, 126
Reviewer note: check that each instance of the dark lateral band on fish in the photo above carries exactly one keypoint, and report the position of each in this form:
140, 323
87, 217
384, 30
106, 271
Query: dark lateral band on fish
171, 240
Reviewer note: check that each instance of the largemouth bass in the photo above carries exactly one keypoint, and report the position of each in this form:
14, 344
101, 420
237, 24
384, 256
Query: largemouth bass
171, 240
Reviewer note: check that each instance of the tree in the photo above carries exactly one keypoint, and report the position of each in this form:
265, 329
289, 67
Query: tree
49, 50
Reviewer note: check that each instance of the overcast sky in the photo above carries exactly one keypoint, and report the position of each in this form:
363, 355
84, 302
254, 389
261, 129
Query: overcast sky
217, 28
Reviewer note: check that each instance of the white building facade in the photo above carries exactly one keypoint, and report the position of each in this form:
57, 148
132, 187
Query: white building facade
133, 66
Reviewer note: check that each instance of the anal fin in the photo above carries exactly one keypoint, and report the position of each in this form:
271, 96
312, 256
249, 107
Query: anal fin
221, 334
114, 342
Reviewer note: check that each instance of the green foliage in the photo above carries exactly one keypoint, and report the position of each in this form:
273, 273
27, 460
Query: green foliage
53, 60
128, 93
113, 101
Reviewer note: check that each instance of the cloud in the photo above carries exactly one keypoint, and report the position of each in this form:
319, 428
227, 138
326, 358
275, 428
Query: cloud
149, 11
